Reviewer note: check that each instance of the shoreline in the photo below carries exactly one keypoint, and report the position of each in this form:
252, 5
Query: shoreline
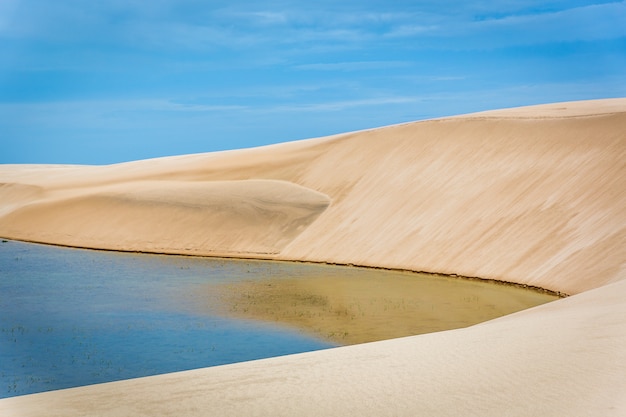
260, 258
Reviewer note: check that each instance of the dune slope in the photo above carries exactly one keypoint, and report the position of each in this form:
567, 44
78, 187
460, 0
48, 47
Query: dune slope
255, 217
534, 195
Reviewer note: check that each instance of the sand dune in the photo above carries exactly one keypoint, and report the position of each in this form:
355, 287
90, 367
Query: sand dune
534, 195
254, 217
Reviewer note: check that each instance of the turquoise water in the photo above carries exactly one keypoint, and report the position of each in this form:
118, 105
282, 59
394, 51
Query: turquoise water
71, 317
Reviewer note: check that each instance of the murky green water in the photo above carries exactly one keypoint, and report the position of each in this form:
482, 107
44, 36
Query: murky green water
360, 305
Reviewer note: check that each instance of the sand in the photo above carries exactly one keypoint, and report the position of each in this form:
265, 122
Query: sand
534, 195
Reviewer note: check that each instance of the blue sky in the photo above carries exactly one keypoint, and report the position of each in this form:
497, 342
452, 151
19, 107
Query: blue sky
98, 82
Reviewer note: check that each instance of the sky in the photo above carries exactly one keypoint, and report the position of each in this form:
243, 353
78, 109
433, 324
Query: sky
101, 82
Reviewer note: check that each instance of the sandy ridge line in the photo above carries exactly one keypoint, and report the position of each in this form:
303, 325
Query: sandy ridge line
538, 117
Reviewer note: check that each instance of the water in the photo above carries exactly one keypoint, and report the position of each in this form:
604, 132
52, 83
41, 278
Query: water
72, 317
359, 305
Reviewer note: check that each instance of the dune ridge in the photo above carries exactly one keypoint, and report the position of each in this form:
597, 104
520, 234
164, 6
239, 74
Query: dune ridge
534, 195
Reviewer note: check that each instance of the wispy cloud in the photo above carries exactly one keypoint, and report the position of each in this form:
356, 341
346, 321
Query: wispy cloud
340, 104
175, 106
411, 30
584, 23
198, 25
353, 66
7, 15
594, 22
130, 66
261, 17
90, 111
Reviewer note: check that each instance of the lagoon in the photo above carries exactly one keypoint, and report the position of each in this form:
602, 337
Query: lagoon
73, 317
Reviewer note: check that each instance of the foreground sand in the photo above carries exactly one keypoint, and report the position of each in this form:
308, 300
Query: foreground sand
535, 196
